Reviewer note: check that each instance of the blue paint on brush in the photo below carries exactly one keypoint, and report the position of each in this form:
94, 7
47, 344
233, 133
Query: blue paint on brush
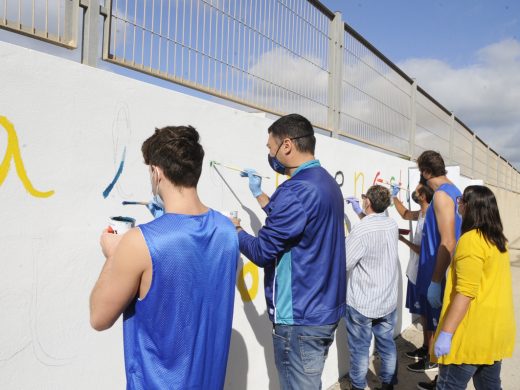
116, 177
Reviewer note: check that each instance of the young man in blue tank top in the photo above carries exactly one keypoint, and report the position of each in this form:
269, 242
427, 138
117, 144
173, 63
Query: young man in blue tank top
173, 278
441, 232
302, 250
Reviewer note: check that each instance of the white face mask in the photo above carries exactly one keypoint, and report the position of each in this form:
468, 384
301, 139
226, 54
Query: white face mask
156, 197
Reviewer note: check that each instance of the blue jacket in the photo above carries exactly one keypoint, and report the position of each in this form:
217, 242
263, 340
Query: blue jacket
302, 248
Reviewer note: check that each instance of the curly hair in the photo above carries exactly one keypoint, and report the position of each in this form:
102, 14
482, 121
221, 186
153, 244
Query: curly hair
177, 151
379, 197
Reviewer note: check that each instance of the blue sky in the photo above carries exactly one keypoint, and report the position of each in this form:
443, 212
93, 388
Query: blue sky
465, 53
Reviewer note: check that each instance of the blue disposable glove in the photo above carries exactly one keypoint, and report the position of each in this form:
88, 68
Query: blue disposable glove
395, 189
255, 182
434, 295
355, 204
443, 344
155, 209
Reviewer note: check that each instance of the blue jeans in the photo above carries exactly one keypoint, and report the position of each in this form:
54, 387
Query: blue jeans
457, 376
359, 330
300, 353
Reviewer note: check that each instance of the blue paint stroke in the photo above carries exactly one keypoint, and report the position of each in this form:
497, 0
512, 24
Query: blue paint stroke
116, 177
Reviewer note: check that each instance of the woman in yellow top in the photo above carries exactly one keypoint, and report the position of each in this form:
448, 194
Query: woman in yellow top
477, 326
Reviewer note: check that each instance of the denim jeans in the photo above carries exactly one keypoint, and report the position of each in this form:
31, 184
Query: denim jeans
457, 376
359, 331
300, 353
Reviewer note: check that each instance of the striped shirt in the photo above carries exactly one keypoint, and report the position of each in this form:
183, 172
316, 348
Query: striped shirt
373, 266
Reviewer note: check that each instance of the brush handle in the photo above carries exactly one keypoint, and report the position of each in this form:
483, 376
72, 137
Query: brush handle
238, 169
127, 202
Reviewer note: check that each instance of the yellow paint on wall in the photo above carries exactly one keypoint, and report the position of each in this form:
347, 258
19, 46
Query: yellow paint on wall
358, 175
248, 294
13, 153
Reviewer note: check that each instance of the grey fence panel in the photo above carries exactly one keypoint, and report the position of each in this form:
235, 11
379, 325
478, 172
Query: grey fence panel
271, 55
462, 149
375, 104
433, 126
54, 21
480, 160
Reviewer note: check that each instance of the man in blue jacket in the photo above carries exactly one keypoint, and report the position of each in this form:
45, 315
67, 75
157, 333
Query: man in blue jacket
302, 250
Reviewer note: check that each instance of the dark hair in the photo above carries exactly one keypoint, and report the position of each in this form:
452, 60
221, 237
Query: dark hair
298, 129
425, 190
481, 213
177, 151
431, 162
379, 197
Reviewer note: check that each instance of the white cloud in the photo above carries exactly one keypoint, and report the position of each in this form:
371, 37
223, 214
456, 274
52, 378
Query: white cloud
485, 95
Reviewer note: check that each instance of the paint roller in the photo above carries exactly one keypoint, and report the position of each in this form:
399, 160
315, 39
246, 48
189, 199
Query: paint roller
213, 163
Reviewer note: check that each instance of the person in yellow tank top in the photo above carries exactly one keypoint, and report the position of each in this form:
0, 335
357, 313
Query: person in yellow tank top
477, 326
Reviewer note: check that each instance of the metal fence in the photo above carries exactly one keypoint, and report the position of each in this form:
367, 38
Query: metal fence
278, 56
54, 21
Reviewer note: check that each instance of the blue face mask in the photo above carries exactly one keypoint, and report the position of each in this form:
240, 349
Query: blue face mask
274, 163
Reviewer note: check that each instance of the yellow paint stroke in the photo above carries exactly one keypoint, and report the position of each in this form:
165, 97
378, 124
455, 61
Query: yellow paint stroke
13, 153
357, 175
248, 294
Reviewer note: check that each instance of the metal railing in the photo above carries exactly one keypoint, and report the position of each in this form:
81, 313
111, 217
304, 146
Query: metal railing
277, 56
55, 21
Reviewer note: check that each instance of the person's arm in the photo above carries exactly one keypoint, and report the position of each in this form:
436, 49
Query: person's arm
354, 202
285, 222
445, 215
416, 248
255, 186
406, 214
263, 200
118, 283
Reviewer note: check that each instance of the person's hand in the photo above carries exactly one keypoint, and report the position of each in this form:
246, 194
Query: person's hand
434, 295
109, 242
255, 182
236, 222
395, 189
355, 204
443, 344
155, 209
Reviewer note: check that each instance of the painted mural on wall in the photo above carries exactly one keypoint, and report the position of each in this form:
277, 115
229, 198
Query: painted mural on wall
13, 154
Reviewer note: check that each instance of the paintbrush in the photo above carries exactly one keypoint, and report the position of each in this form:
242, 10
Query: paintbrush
391, 184
127, 202
233, 168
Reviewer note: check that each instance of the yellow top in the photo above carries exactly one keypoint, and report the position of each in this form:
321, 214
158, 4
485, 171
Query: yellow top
487, 332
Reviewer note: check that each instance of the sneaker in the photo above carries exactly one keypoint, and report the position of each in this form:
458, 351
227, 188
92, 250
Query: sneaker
428, 385
423, 365
385, 386
418, 354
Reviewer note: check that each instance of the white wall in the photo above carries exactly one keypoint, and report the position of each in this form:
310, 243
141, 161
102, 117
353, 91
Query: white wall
73, 123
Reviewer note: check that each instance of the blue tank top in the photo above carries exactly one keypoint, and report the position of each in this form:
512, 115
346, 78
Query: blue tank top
431, 239
178, 335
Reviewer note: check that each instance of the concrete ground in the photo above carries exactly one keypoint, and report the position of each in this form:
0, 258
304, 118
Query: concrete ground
412, 337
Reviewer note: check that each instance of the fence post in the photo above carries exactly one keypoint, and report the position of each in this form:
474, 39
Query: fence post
452, 136
413, 118
70, 30
473, 142
336, 44
90, 48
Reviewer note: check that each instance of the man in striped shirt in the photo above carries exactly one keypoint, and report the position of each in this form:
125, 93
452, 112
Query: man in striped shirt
373, 275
